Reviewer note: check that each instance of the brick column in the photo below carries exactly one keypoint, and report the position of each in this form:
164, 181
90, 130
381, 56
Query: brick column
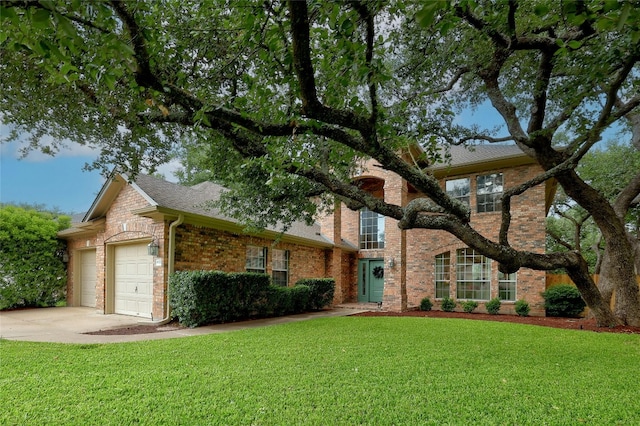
395, 249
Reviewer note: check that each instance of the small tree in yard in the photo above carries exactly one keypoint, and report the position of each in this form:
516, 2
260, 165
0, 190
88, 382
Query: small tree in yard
281, 101
32, 272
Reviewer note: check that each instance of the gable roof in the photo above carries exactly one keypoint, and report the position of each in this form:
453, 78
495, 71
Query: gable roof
167, 200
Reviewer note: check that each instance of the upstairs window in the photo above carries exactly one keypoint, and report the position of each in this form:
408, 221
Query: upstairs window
473, 275
280, 267
371, 230
460, 189
489, 193
443, 275
256, 259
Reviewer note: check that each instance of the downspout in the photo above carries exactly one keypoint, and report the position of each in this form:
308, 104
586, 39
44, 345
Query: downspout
170, 267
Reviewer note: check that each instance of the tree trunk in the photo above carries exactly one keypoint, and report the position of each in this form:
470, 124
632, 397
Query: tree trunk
600, 309
619, 277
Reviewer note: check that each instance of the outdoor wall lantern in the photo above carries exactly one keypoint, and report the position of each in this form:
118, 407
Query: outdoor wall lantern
392, 262
65, 256
152, 248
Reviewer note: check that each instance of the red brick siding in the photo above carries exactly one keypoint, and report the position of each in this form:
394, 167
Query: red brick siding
211, 249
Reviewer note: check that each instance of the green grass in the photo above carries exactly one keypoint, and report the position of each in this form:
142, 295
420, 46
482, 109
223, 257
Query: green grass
347, 371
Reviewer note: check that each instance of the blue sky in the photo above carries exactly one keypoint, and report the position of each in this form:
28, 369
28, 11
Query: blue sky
56, 182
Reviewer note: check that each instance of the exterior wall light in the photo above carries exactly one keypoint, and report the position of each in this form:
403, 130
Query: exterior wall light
392, 262
153, 248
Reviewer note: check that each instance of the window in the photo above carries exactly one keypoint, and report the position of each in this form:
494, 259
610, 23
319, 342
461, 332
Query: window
489, 193
256, 259
473, 275
507, 286
443, 272
460, 189
280, 267
371, 229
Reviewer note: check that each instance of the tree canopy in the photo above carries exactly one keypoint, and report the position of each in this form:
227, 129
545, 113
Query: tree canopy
281, 99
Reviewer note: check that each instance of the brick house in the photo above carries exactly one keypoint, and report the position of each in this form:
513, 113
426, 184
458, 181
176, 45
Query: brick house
110, 266
399, 268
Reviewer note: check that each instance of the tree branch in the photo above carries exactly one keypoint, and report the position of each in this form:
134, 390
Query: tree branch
311, 106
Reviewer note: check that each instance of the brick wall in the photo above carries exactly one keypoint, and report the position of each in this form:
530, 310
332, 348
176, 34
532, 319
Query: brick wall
211, 249
414, 250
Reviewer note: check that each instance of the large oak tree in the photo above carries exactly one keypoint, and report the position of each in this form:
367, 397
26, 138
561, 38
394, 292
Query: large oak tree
281, 99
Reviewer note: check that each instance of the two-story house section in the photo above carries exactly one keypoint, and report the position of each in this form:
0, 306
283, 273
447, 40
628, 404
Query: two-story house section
399, 268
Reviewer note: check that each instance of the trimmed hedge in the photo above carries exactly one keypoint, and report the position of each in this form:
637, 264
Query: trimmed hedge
204, 297
563, 300
320, 291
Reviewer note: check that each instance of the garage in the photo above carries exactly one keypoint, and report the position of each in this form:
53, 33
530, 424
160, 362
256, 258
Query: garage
87, 276
133, 280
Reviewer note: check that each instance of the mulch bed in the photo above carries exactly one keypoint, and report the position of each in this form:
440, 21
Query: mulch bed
135, 329
566, 323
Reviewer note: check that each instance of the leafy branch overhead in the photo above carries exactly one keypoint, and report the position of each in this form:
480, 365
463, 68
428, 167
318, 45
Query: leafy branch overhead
282, 100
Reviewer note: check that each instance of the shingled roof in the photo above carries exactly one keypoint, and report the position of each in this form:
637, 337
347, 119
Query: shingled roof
172, 199
480, 157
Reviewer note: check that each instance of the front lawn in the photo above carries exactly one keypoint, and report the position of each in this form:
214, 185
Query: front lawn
347, 371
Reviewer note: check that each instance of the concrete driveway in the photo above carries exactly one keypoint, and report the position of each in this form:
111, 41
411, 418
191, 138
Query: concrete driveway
68, 325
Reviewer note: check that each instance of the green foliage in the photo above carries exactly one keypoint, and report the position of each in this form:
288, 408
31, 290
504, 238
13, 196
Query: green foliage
469, 306
31, 269
493, 306
426, 304
563, 300
522, 308
300, 298
447, 304
321, 291
203, 297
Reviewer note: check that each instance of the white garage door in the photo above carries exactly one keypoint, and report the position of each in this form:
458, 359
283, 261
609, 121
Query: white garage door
133, 280
88, 278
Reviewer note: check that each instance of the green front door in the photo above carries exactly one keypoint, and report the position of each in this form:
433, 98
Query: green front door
370, 280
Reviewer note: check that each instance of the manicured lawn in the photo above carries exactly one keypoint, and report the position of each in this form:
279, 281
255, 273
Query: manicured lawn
347, 371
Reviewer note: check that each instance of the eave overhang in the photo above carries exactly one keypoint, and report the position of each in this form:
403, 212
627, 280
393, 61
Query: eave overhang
160, 214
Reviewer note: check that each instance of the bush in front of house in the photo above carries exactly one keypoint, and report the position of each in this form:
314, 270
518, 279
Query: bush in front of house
522, 308
563, 300
448, 305
425, 304
300, 296
493, 306
469, 305
204, 297
321, 291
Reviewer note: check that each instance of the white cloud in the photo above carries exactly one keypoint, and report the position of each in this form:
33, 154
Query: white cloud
15, 148
168, 170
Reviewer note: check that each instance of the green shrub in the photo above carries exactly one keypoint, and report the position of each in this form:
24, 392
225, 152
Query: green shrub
320, 291
300, 295
563, 300
469, 305
448, 305
280, 300
493, 306
425, 304
32, 273
201, 297
522, 308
